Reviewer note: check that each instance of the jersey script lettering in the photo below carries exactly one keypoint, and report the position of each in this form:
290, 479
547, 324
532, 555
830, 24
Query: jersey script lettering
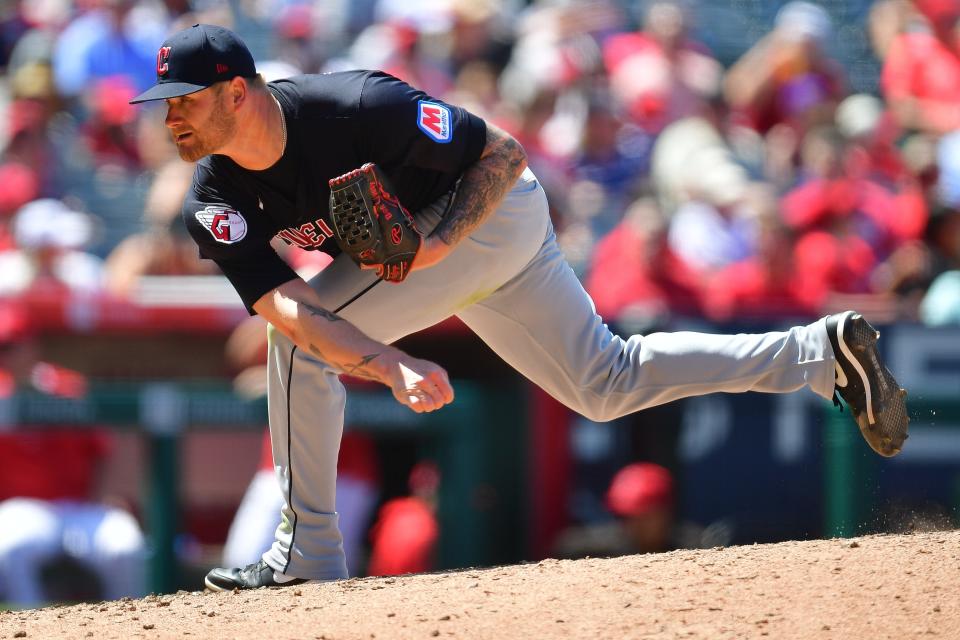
307, 236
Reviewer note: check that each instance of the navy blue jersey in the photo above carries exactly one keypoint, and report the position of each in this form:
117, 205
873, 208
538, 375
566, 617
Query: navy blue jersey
335, 123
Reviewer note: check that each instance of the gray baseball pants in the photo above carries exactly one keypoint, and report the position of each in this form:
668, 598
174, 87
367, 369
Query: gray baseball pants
511, 285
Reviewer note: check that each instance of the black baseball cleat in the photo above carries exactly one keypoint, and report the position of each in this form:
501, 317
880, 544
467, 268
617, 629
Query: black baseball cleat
253, 576
866, 385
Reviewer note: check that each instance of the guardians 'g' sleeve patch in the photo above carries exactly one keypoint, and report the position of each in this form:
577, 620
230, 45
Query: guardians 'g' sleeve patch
225, 225
434, 120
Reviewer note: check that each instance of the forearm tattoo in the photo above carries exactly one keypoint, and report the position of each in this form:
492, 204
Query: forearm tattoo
359, 369
315, 350
355, 369
323, 313
482, 187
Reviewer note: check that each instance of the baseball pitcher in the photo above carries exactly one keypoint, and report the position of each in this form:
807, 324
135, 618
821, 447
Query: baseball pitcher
430, 212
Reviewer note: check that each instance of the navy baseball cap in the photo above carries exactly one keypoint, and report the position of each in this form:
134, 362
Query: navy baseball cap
195, 58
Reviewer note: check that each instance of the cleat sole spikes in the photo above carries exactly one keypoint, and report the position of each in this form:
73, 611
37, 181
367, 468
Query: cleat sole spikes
875, 398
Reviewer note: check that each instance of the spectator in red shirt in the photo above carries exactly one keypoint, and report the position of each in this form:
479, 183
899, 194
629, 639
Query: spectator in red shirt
404, 537
849, 221
769, 283
642, 494
635, 277
642, 497
921, 72
109, 129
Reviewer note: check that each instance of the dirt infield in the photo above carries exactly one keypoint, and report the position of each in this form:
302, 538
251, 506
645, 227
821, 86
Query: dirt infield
890, 586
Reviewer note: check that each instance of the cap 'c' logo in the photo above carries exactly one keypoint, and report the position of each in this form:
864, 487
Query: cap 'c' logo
162, 56
225, 225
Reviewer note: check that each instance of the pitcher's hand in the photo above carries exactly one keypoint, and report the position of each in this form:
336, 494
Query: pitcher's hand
419, 384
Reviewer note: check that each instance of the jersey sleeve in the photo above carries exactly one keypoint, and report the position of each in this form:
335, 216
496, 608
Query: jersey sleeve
229, 230
403, 126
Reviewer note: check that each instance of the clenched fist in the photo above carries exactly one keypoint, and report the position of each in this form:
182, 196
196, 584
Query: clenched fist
419, 384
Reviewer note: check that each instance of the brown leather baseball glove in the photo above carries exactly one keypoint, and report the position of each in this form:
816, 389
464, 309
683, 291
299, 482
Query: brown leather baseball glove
371, 225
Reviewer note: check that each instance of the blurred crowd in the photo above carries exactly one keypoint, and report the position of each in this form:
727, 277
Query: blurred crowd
760, 184
768, 179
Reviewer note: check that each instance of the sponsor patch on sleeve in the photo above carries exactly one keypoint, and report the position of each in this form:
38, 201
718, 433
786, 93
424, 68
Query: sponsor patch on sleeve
434, 120
225, 225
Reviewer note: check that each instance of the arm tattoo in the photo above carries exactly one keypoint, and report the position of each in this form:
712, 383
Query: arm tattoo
483, 186
315, 350
356, 369
323, 313
359, 368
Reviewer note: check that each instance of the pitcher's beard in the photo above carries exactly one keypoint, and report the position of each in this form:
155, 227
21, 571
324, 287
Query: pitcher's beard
218, 129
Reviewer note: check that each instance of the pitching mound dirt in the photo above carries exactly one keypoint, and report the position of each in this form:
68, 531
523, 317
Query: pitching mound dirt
871, 587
